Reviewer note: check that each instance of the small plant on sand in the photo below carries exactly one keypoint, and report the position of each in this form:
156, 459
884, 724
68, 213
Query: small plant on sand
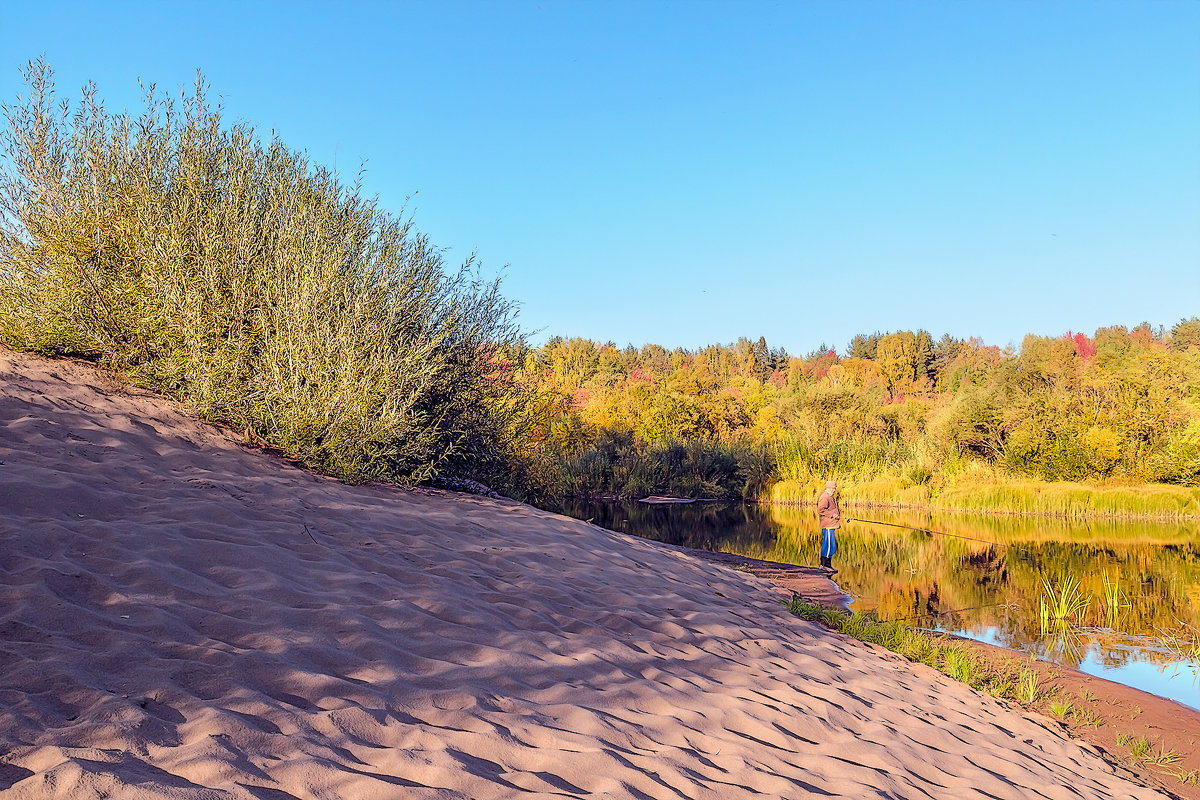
1060, 708
1028, 687
1185, 777
920, 647
1003, 678
1139, 748
829, 617
867, 627
960, 665
1162, 756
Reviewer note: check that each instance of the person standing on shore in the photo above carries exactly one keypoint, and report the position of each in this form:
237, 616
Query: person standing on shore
831, 519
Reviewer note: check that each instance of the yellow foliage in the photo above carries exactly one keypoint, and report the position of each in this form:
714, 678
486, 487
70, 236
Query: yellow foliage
1105, 442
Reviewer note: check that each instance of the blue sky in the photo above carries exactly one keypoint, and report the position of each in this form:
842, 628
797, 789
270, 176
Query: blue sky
685, 173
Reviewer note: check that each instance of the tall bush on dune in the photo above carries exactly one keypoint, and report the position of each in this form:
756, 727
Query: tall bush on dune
200, 260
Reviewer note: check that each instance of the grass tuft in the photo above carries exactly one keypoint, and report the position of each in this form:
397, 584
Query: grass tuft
1028, 687
1140, 748
1060, 708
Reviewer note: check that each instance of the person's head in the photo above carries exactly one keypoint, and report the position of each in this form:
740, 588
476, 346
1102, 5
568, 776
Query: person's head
830, 486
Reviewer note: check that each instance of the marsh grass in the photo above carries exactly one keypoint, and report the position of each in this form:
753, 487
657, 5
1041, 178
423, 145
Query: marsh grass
960, 665
196, 258
988, 490
1068, 499
891, 473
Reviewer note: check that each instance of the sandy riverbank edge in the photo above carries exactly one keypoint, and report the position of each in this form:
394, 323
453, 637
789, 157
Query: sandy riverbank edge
1120, 709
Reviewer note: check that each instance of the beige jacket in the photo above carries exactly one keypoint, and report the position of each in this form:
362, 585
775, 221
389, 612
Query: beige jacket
828, 511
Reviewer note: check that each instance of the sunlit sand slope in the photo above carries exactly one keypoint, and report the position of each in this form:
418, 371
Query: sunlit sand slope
182, 618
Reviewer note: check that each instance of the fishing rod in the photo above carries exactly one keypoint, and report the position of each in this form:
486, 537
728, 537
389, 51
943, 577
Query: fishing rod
925, 530
947, 612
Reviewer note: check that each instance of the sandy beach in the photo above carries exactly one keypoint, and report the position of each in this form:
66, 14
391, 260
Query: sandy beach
183, 617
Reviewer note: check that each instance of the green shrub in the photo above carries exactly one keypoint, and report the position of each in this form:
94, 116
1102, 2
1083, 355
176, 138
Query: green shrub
198, 260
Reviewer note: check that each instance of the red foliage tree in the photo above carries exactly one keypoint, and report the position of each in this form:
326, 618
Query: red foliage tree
1085, 348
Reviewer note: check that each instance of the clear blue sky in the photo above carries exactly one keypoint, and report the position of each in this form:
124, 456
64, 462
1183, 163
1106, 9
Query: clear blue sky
689, 172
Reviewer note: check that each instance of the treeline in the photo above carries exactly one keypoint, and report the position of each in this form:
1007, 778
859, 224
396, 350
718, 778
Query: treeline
899, 409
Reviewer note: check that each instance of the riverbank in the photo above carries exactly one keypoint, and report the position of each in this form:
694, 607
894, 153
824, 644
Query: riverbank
1107, 715
992, 494
1118, 719
184, 617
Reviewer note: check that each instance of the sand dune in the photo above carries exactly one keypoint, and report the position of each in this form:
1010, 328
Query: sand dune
183, 618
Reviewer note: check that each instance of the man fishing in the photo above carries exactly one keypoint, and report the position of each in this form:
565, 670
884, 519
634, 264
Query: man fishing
831, 519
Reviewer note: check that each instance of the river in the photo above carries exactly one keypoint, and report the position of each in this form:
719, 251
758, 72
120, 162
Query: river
981, 576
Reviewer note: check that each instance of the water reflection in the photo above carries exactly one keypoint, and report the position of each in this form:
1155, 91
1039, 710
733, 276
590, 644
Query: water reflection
1141, 579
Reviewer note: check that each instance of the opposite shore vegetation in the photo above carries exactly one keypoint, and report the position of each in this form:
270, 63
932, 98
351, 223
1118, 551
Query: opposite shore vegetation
197, 258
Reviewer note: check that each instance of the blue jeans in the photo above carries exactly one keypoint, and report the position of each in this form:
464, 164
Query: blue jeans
828, 542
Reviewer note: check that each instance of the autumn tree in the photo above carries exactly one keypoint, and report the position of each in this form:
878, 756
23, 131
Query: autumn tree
897, 359
864, 346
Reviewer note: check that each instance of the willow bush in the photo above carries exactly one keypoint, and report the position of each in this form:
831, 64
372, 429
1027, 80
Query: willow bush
199, 259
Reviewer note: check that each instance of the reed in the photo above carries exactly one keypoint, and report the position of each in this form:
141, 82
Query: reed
883, 491
1114, 598
1063, 603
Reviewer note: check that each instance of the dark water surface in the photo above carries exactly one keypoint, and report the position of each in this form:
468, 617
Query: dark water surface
982, 579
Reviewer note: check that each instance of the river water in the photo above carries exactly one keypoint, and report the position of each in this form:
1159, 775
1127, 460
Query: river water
980, 576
